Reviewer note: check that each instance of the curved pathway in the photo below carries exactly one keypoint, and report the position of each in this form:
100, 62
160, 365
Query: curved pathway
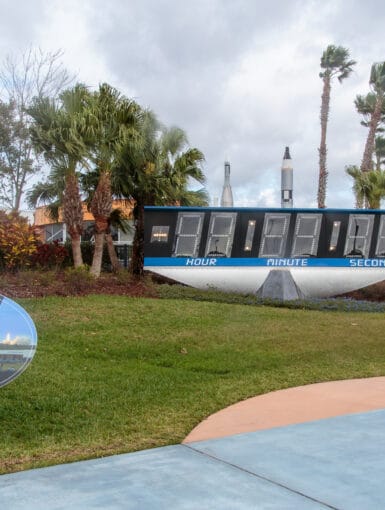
293, 405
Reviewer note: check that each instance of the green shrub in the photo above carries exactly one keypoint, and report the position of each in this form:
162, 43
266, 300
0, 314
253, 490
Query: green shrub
78, 279
212, 295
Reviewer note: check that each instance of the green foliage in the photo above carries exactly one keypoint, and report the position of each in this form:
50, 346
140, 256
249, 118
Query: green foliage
78, 279
335, 61
17, 162
17, 241
365, 106
113, 147
377, 78
368, 187
379, 151
373, 108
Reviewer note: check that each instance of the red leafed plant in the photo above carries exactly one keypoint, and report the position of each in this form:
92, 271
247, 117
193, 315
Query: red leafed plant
49, 255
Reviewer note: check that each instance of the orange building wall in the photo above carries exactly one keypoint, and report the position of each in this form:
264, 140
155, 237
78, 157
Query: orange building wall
42, 217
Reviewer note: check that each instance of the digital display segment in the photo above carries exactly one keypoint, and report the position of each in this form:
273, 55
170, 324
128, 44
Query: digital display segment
274, 236
306, 235
221, 234
359, 235
380, 248
188, 234
249, 235
334, 236
159, 234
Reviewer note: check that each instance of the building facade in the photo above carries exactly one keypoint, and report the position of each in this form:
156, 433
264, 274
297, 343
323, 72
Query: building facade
50, 230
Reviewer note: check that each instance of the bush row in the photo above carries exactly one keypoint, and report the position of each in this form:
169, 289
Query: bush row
48, 256
20, 248
327, 304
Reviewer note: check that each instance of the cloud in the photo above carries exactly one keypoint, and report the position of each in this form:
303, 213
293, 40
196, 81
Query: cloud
20, 24
17, 340
242, 78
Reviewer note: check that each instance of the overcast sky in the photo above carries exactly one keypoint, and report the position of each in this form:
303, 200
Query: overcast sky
241, 77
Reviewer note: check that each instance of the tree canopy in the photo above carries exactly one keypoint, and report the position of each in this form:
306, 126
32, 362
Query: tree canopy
375, 105
105, 145
23, 78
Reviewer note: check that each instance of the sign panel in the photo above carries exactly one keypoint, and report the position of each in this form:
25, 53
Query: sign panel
261, 262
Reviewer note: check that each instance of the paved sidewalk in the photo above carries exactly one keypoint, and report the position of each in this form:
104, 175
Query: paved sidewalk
333, 463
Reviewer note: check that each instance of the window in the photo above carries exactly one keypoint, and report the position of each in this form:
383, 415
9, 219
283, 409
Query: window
88, 231
221, 234
335, 235
306, 235
188, 234
380, 248
54, 232
159, 233
128, 236
274, 236
359, 235
249, 235
114, 233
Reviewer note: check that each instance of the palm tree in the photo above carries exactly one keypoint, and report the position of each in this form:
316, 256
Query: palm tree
377, 84
180, 164
365, 106
335, 62
157, 172
111, 121
379, 151
368, 187
58, 133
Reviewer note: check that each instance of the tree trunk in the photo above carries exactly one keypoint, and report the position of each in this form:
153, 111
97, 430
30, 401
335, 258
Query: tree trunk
101, 209
137, 260
16, 206
112, 253
375, 119
322, 179
98, 254
76, 250
73, 216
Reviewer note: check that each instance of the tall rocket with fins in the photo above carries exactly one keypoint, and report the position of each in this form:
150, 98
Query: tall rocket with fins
227, 194
287, 180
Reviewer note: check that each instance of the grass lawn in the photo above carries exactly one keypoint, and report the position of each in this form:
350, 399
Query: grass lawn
115, 374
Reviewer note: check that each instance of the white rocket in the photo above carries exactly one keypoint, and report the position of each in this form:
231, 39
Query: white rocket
287, 180
227, 194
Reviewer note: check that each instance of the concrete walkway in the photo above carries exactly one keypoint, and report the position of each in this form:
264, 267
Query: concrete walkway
334, 462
